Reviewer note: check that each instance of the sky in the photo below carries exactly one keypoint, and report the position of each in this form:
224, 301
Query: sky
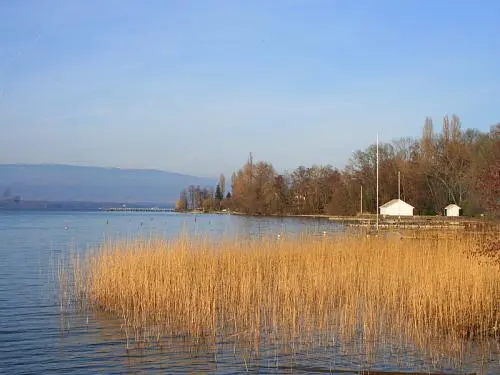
194, 86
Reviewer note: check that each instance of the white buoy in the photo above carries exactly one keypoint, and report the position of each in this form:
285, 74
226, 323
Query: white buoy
279, 236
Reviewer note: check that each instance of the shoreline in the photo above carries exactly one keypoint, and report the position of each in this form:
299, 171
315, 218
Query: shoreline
366, 221
385, 222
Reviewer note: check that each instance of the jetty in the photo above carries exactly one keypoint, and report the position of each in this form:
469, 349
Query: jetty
138, 209
412, 222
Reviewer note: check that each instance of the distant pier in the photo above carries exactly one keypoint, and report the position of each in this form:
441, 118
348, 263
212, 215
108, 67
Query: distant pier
138, 209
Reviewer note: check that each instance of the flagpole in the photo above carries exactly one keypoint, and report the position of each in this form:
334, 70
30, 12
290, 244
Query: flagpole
399, 185
376, 226
361, 201
399, 194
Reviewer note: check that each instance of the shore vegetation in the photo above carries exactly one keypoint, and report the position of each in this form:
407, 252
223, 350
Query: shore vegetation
422, 290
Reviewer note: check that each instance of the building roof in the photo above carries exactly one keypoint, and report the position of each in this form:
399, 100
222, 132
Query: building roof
452, 206
395, 201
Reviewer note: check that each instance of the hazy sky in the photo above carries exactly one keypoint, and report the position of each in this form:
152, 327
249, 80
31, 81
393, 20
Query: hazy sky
194, 86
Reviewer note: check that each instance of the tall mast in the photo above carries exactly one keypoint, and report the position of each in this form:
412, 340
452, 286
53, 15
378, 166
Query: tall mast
399, 185
361, 201
250, 162
376, 226
399, 194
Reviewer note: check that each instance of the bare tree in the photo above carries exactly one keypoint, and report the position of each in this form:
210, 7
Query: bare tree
222, 184
442, 167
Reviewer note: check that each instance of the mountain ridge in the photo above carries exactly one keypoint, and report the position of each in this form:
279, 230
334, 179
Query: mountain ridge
65, 182
101, 167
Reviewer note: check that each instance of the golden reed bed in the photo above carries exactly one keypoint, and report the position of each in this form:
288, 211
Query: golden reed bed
285, 288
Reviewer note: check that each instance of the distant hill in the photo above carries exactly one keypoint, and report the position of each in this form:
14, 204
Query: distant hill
69, 183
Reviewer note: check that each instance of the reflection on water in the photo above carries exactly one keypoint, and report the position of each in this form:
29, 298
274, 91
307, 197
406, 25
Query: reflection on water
105, 345
36, 338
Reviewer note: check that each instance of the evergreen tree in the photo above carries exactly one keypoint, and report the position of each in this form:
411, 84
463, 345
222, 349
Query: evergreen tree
218, 193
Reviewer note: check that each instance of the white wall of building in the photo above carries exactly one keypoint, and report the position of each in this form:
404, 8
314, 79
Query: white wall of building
452, 210
396, 208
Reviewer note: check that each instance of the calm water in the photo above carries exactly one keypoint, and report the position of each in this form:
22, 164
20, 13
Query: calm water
36, 338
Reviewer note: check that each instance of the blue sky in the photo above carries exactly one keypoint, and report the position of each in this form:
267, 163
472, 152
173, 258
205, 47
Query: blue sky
194, 86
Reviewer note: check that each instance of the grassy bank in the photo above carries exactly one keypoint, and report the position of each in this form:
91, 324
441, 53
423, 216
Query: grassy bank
282, 289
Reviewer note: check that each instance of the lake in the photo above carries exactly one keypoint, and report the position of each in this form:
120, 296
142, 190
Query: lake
35, 337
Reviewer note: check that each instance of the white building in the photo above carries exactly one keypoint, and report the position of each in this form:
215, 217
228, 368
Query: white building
396, 207
452, 210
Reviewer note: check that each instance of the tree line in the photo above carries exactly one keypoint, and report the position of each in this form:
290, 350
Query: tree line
195, 197
449, 166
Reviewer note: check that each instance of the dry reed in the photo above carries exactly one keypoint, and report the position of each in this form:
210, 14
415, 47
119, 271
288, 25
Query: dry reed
420, 289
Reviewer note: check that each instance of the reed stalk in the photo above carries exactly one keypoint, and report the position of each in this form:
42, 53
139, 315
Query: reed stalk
420, 289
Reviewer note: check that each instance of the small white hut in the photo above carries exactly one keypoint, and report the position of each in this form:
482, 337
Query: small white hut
396, 207
452, 210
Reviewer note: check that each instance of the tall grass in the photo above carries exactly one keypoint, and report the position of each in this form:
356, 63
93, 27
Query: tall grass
293, 287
